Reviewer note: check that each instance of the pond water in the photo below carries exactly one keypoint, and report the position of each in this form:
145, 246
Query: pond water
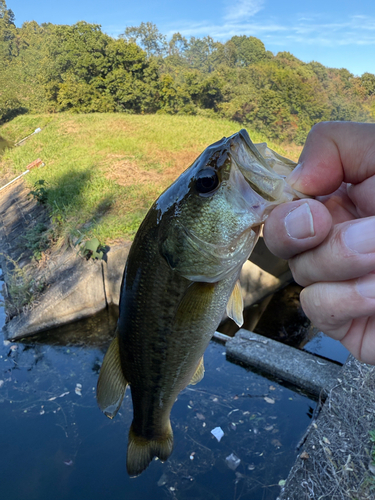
56, 443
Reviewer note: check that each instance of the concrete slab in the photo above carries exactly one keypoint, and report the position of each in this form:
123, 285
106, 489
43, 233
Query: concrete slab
288, 363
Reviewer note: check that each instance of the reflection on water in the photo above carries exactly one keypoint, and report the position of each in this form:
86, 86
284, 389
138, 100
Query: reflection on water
56, 443
326, 347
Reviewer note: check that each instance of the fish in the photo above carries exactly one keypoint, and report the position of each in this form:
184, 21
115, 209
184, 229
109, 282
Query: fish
181, 275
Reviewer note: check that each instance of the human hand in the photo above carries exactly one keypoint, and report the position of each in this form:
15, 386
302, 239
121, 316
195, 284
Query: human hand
330, 240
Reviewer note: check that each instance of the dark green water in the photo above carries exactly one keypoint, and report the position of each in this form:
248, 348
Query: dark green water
55, 442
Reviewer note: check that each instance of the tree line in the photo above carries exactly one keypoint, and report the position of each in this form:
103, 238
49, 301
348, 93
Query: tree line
78, 68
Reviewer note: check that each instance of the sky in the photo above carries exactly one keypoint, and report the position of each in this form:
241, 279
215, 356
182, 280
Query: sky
336, 33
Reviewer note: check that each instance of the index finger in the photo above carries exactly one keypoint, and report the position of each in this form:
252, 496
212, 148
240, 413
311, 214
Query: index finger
335, 152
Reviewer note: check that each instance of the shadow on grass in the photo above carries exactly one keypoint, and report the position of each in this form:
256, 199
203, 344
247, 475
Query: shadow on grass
65, 202
13, 113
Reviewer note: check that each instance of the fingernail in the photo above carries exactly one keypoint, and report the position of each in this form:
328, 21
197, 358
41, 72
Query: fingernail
360, 236
366, 286
299, 223
293, 177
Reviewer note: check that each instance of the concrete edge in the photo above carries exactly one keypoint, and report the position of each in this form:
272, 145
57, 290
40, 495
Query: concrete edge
292, 365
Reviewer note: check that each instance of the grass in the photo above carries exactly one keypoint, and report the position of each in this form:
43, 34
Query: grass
103, 171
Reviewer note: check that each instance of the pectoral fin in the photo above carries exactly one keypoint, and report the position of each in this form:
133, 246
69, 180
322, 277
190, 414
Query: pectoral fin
199, 373
194, 304
111, 383
235, 304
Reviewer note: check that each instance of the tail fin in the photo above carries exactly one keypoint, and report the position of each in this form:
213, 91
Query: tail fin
141, 451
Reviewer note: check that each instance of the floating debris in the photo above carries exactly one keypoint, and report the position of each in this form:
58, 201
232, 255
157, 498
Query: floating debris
61, 396
271, 401
218, 433
276, 443
233, 461
163, 480
1, 383
68, 462
78, 389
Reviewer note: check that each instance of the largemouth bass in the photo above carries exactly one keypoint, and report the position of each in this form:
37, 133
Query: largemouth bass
181, 275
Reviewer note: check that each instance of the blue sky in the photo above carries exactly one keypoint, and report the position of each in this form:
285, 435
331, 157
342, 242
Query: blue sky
337, 33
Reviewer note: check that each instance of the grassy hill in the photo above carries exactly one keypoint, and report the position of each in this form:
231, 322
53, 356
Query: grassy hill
103, 171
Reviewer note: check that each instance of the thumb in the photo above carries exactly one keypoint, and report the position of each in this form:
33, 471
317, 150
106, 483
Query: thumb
334, 152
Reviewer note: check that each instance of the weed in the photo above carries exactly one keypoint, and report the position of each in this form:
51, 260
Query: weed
90, 249
21, 287
40, 192
38, 239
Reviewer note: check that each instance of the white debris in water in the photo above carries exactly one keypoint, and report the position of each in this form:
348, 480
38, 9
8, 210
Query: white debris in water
218, 433
6, 342
233, 461
61, 396
78, 389
1, 383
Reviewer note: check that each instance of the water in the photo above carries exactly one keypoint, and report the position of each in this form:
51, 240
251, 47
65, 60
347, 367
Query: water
327, 347
55, 442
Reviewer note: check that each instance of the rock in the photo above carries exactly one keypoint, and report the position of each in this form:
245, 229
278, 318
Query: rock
76, 288
113, 270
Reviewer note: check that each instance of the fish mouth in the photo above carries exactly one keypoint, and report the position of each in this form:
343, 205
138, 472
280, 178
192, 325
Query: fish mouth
260, 176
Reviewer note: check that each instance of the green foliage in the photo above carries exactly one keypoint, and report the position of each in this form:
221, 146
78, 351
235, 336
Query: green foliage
90, 249
249, 50
148, 36
39, 192
38, 239
80, 69
368, 82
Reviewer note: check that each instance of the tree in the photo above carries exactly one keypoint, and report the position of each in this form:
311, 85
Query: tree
8, 47
249, 50
368, 82
148, 36
177, 45
203, 53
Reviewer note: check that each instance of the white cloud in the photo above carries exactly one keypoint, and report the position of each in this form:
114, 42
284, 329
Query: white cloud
242, 9
354, 30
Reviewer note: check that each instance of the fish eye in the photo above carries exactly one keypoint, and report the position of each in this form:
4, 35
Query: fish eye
206, 181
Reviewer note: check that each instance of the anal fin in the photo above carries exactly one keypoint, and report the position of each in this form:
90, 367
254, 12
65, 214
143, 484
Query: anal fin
111, 383
199, 373
235, 304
